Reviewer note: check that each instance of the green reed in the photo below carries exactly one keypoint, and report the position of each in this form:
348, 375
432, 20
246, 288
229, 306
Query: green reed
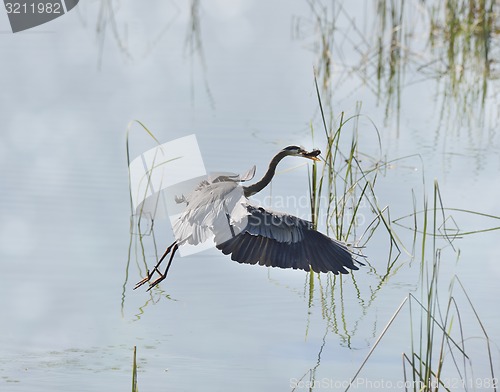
451, 42
438, 351
348, 176
141, 225
134, 372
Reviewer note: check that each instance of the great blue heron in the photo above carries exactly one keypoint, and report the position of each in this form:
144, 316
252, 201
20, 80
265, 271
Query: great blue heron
220, 208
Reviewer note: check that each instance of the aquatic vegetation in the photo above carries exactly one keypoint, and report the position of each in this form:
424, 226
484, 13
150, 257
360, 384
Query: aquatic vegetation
134, 371
453, 43
437, 334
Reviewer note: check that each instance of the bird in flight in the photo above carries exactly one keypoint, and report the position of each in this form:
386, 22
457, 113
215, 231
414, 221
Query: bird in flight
219, 208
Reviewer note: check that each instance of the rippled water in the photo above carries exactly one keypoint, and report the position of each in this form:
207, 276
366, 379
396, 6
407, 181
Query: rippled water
245, 87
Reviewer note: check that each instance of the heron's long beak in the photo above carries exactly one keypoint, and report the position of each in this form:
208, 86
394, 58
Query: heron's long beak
313, 155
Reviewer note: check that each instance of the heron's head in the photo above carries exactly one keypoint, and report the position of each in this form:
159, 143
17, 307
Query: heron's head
300, 152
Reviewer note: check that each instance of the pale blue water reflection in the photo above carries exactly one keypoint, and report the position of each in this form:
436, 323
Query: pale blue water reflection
216, 325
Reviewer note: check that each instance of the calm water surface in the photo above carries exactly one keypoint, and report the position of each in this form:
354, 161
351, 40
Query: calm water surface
243, 82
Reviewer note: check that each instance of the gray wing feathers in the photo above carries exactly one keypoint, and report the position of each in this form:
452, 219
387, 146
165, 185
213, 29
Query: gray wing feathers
207, 212
281, 240
278, 226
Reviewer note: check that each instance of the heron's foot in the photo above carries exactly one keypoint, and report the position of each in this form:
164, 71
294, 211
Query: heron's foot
156, 281
171, 249
147, 278
139, 284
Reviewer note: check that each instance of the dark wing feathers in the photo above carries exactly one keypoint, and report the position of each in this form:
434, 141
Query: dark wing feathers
285, 241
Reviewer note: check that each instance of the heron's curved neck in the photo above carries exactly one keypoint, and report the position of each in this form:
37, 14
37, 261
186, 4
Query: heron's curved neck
259, 185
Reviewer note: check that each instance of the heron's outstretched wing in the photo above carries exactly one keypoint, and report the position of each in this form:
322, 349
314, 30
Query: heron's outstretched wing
281, 240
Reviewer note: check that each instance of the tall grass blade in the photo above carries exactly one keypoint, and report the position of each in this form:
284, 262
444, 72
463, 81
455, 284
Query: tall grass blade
134, 372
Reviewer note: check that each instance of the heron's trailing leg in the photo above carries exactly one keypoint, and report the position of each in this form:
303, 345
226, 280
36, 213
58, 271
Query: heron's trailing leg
164, 275
155, 269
